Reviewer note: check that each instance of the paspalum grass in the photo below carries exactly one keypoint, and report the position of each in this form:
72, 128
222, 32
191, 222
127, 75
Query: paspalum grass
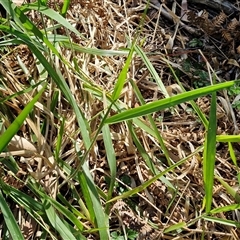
90, 213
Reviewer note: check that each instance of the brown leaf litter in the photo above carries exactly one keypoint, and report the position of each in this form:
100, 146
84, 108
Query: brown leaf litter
105, 25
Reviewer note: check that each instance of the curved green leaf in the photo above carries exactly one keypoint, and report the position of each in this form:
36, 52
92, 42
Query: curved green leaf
9, 219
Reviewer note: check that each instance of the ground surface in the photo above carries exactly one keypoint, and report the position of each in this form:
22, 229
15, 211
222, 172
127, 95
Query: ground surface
205, 38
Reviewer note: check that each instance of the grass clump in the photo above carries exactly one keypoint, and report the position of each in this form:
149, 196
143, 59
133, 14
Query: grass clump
97, 142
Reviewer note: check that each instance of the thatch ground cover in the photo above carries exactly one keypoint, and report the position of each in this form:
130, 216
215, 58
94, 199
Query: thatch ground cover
111, 128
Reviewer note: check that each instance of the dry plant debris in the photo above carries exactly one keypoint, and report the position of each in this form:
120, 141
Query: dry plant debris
105, 25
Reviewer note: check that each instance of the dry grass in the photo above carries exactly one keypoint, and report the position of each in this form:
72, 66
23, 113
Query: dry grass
51, 139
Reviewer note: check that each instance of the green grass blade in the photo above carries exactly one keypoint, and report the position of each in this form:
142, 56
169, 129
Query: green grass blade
152, 180
23, 199
54, 101
65, 212
85, 214
10, 163
94, 51
17, 123
90, 214
228, 138
166, 103
28, 26
111, 158
30, 205
100, 217
59, 139
209, 154
152, 70
57, 223
152, 123
229, 189
234, 159
232, 154
175, 227
70, 206
53, 15
20, 35
227, 208
43, 2
146, 157
9, 219
223, 221
65, 7
122, 76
